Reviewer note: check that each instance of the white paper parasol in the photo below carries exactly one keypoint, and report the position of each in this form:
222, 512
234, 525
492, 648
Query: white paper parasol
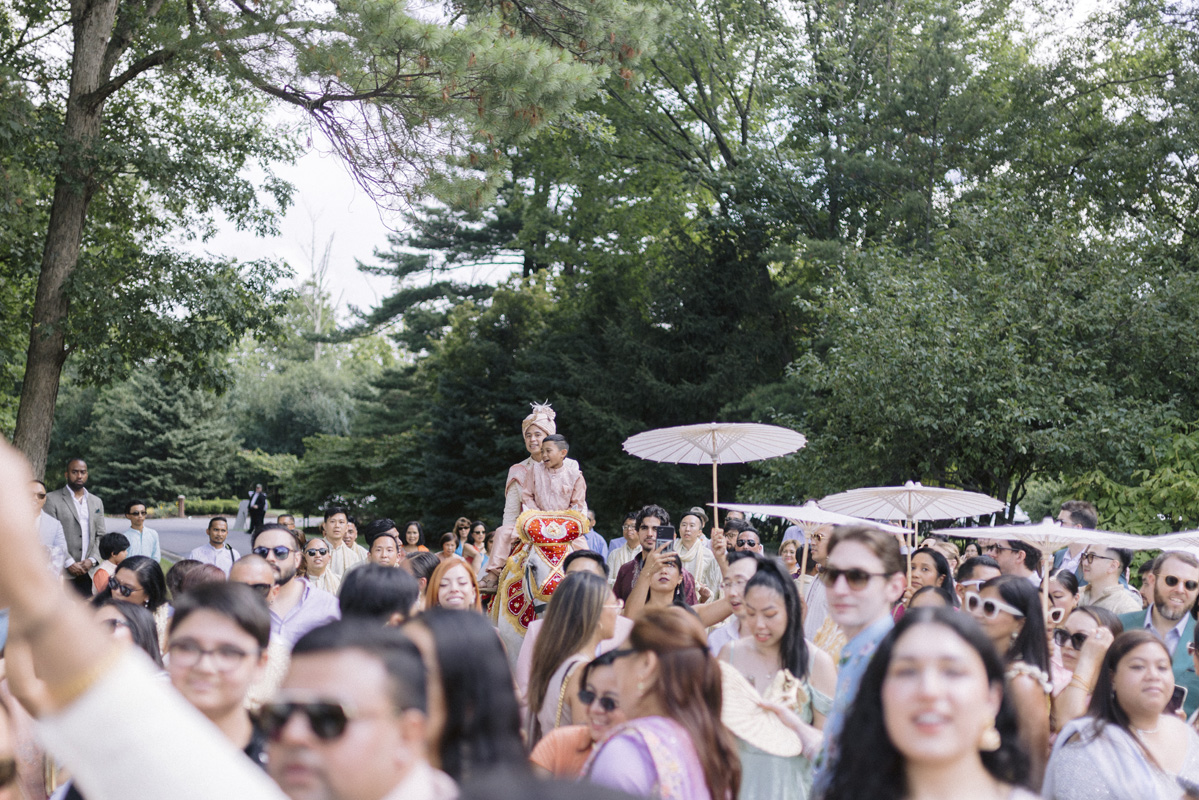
715, 443
912, 501
814, 516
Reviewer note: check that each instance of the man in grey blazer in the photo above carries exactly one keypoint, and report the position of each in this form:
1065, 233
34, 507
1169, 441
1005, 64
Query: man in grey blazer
81, 514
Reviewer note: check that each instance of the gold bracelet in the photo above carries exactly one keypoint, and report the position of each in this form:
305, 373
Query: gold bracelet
1078, 682
63, 696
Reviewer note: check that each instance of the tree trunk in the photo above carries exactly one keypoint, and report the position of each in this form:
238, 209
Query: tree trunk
92, 27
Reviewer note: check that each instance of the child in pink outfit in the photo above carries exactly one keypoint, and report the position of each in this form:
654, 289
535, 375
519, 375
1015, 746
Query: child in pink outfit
557, 482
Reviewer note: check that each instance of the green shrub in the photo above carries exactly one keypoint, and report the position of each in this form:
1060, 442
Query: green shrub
203, 508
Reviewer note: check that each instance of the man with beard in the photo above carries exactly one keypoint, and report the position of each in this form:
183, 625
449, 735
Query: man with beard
299, 606
1175, 589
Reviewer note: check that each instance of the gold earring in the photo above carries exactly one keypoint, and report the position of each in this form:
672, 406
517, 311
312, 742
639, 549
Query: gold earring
990, 740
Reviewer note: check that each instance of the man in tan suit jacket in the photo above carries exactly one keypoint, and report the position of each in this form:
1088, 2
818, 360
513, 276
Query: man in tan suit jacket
81, 515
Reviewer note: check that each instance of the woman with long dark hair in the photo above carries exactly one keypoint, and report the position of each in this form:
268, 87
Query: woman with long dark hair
930, 567
1127, 747
582, 613
781, 676
674, 744
1009, 610
564, 751
474, 719
660, 585
930, 713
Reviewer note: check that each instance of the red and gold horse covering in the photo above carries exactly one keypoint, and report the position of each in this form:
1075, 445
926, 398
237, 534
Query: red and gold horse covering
534, 569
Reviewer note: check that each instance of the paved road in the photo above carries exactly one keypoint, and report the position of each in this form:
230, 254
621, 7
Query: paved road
178, 537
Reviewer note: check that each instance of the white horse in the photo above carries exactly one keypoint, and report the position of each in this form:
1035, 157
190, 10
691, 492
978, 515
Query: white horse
533, 571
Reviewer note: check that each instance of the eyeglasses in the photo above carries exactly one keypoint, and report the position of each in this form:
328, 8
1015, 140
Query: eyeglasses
116, 587
281, 552
136, 514
187, 653
855, 578
1089, 558
114, 624
729, 583
317, 551
995, 548
1063, 637
608, 704
975, 584
1174, 580
816, 537
990, 608
263, 589
746, 543
327, 719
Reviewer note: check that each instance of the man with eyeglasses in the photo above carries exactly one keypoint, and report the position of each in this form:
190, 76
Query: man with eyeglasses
217, 552
1016, 558
299, 606
81, 514
364, 739
627, 550
741, 566
1102, 567
865, 578
143, 541
49, 529
1175, 591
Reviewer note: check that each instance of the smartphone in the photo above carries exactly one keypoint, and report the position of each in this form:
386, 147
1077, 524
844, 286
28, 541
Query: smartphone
1176, 700
666, 536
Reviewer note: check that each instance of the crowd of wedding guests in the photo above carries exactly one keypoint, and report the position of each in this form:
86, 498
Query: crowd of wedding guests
673, 662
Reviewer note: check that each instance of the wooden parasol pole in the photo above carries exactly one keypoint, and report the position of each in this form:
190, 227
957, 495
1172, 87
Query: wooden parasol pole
715, 499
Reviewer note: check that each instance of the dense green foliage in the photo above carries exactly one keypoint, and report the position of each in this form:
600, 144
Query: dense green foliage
944, 242
944, 245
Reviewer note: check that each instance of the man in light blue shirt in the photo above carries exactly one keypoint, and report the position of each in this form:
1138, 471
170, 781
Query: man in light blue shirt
864, 575
594, 540
143, 541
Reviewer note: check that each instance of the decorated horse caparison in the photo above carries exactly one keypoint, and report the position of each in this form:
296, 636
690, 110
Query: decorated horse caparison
534, 570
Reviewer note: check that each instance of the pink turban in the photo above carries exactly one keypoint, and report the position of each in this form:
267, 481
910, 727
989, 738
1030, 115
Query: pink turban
543, 417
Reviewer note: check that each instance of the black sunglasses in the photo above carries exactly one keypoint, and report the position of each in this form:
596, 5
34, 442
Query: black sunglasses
317, 551
856, 578
1174, 580
116, 587
1076, 640
746, 543
608, 704
262, 589
281, 552
327, 719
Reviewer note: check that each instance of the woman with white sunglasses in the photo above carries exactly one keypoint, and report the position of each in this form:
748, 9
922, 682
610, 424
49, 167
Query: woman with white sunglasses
1009, 610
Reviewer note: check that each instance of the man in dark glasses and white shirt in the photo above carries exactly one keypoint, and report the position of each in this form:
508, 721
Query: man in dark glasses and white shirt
333, 739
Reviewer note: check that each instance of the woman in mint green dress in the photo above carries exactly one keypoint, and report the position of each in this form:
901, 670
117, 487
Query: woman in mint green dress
777, 690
